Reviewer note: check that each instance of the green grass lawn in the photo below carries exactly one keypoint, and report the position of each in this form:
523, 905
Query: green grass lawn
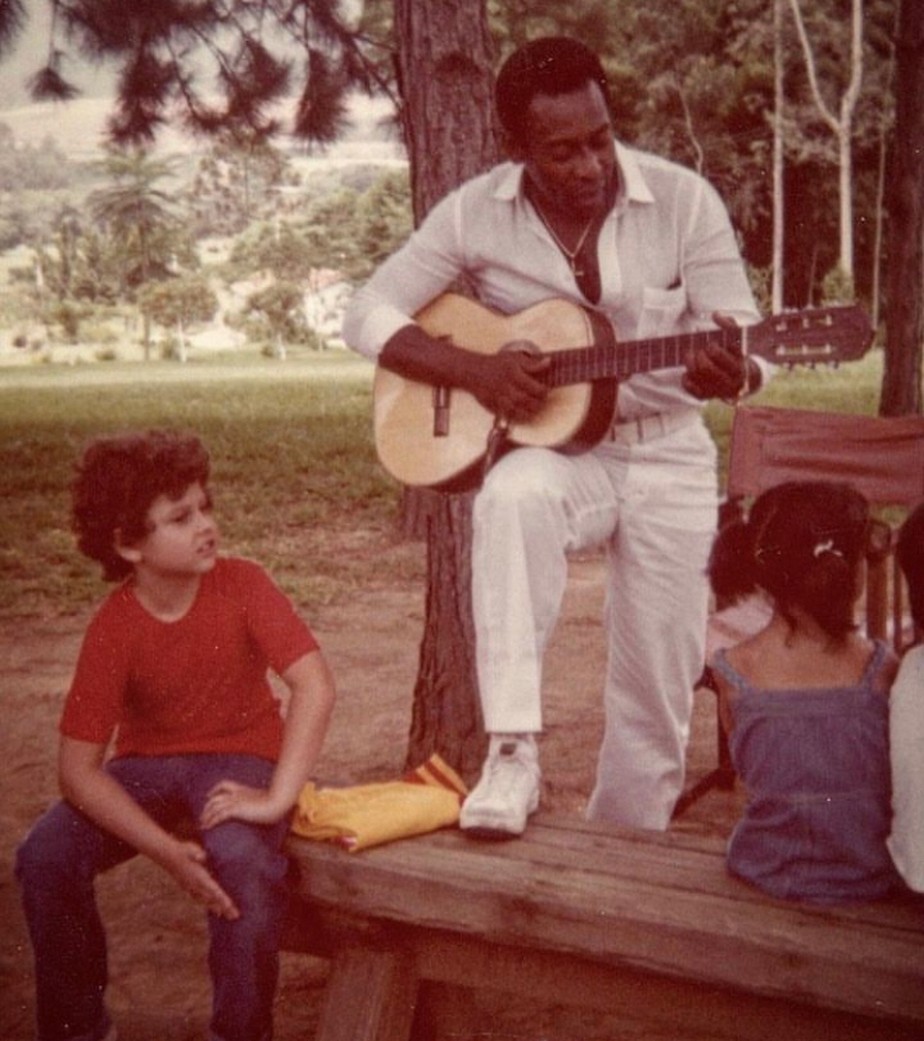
295, 479
296, 482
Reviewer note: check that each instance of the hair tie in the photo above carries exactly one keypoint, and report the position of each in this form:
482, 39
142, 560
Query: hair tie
826, 547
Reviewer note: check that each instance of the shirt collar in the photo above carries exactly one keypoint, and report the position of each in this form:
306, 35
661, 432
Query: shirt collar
635, 186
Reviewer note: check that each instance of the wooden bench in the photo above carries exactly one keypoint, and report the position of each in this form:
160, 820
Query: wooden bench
605, 919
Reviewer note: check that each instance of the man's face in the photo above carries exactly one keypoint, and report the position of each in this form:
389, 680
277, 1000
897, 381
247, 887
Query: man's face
569, 153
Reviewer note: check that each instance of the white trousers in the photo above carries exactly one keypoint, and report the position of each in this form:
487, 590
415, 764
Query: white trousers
654, 506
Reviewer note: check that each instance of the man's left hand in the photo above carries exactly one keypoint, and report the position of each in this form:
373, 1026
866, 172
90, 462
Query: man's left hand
716, 372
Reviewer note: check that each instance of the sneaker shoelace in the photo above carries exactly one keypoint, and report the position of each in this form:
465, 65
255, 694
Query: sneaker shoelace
506, 766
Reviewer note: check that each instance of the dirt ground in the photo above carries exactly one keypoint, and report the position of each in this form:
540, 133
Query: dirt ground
159, 985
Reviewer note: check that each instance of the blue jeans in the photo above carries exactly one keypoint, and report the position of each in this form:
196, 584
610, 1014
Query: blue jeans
62, 854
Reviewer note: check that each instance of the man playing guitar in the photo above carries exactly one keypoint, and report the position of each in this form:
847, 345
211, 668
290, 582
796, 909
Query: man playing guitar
579, 216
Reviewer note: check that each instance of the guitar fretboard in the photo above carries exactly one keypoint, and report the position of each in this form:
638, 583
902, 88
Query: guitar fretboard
619, 361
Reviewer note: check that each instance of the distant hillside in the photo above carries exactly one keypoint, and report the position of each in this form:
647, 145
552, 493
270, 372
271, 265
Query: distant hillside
78, 127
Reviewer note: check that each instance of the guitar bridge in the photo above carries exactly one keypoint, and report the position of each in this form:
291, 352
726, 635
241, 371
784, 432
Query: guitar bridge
441, 411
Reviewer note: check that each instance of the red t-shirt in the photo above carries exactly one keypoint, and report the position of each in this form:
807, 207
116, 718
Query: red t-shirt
199, 684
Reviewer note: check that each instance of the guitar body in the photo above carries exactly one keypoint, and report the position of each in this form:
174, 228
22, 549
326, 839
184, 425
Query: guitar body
438, 437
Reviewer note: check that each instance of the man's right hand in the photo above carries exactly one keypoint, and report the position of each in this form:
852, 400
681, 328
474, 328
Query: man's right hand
511, 383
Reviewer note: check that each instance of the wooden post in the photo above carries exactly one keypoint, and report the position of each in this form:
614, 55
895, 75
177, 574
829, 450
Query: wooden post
370, 996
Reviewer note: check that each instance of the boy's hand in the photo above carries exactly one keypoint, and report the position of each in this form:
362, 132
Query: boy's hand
229, 800
187, 864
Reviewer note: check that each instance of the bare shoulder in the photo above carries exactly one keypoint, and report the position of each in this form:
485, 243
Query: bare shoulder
753, 651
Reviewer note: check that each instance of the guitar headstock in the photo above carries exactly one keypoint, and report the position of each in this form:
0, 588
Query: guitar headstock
816, 336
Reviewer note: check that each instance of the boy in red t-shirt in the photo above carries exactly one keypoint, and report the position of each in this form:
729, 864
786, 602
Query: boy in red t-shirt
173, 674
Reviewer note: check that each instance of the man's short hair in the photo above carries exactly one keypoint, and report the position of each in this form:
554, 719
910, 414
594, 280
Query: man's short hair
118, 479
551, 65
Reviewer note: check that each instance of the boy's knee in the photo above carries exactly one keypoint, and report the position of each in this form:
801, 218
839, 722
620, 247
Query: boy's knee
62, 850
41, 861
37, 848
246, 855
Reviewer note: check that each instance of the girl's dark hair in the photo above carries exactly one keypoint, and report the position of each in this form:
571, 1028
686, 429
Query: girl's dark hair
910, 553
802, 544
118, 479
551, 65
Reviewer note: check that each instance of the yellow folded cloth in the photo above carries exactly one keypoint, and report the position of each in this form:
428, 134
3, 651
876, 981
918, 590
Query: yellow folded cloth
365, 815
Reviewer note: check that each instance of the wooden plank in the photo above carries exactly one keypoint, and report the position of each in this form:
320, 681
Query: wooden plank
576, 845
685, 1007
609, 914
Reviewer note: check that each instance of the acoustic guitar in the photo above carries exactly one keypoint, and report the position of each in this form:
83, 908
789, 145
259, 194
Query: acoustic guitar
441, 437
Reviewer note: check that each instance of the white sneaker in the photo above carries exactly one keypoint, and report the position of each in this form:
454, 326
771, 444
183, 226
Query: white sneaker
508, 791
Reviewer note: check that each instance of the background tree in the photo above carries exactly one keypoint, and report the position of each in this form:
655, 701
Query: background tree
176, 304
61, 261
236, 182
383, 216
817, 238
138, 215
227, 65
901, 388
840, 123
278, 248
136, 211
280, 307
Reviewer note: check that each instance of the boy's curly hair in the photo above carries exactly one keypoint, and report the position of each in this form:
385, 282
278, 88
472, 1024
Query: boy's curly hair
118, 478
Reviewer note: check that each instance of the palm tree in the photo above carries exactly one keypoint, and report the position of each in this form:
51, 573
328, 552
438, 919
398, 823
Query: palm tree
138, 216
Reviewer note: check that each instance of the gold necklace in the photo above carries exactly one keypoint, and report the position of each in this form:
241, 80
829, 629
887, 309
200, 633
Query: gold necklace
572, 255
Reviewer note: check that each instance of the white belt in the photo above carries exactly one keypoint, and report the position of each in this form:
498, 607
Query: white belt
648, 428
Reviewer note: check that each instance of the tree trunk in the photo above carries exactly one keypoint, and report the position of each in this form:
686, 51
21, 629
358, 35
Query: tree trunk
840, 123
445, 73
901, 385
776, 265
446, 715
445, 76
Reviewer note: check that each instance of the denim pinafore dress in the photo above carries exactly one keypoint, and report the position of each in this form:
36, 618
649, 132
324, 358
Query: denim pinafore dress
815, 765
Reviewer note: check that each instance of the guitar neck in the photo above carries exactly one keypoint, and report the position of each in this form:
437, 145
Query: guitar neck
620, 361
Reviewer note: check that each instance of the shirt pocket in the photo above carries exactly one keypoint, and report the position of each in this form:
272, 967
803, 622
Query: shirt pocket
662, 310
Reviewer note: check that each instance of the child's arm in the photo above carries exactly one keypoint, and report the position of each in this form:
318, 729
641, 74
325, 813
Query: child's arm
311, 703
88, 787
725, 693
906, 726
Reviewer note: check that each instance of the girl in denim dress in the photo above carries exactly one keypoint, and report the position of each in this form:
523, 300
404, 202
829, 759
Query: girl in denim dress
805, 700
